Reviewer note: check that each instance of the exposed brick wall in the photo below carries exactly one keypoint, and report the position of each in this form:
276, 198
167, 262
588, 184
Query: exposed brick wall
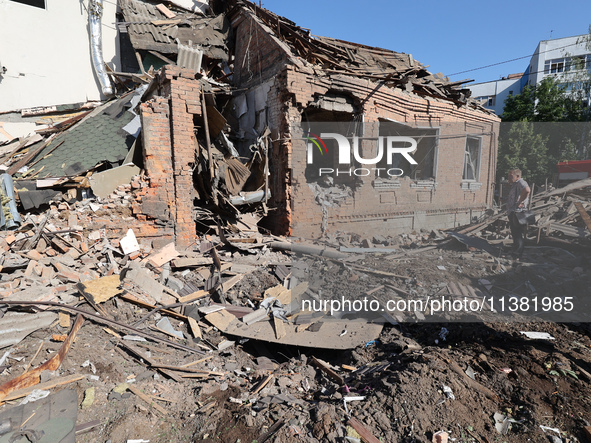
260, 56
184, 97
169, 154
371, 211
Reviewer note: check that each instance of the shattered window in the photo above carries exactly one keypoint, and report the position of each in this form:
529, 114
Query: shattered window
472, 158
425, 155
317, 121
35, 3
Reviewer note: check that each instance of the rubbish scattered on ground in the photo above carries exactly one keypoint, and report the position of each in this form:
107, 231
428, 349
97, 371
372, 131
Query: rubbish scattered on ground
537, 335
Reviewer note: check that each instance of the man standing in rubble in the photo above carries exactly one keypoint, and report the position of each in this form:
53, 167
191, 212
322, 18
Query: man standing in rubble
517, 202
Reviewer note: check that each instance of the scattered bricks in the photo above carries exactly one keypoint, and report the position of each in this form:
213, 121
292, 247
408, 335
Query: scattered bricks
88, 274
47, 273
89, 261
30, 268
59, 245
38, 270
68, 276
72, 220
10, 239
4, 246
73, 253
41, 245
34, 255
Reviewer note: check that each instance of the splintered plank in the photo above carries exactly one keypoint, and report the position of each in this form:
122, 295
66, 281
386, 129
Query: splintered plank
147, 399
279, 328
221, 319
365, 434
193, 296
33, 377
328, 371
584, 215
44, 386
195, 329
132, 299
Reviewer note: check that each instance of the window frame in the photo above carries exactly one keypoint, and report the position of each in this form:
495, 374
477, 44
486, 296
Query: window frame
478, 163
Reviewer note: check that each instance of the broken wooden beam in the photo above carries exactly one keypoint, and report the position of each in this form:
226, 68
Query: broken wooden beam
60, 381
147, 399
147, 359
308, 249
364, 433
33, 377
328, 371
101, 319
584, 215
262, 384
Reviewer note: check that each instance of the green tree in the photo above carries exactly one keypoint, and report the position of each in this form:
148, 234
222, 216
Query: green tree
520, 107
547, 132
548, 101
522, 146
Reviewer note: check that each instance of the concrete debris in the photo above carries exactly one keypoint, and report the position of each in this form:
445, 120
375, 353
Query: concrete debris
164, 219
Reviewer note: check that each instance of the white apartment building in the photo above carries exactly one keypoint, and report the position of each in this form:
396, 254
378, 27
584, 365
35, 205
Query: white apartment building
566, 58
45, 52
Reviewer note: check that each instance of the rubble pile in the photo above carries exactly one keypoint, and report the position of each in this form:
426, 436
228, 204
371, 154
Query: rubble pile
207, 344
559, 218
143, 296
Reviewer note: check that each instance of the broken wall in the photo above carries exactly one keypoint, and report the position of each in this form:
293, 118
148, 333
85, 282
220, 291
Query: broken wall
259, 66
412, 202
409, 202
169, 154
275, 89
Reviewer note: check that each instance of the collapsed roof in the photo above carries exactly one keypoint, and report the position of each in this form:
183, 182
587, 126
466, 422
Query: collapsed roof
341, 57
149, 29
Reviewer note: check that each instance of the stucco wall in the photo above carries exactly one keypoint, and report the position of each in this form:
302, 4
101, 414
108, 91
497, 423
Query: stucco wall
47, 54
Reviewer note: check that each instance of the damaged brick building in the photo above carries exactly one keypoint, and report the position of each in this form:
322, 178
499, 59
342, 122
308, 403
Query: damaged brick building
283, 76
220, 115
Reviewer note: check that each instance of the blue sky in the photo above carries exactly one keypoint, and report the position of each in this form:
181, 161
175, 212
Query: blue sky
449, 36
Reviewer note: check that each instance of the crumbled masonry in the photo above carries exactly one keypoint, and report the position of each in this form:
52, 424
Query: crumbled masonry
173, 269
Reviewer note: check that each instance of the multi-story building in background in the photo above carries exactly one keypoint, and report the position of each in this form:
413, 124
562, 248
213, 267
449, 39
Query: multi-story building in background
567, 58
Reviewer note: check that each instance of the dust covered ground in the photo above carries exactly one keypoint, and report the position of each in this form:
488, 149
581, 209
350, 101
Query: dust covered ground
476, 380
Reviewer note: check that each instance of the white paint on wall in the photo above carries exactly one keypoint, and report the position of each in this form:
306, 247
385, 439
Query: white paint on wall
495, 93
46, 53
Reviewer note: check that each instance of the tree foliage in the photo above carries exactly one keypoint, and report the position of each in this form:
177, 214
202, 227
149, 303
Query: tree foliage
543, 125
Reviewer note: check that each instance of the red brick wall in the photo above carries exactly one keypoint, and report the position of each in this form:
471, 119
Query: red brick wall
170, 147
169, 153
372, 211
260, 56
